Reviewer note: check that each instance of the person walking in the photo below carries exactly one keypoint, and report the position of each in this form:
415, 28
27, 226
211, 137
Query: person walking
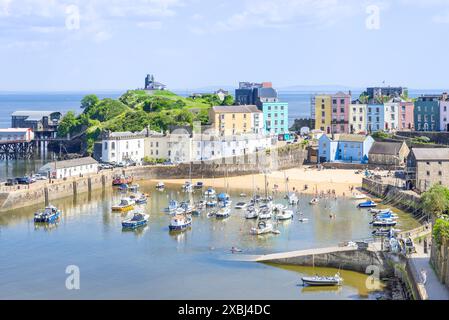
423, 276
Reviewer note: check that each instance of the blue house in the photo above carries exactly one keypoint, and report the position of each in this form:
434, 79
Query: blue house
375, 117
344, 148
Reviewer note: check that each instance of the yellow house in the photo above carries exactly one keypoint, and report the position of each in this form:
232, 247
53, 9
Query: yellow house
230, 120
322, 108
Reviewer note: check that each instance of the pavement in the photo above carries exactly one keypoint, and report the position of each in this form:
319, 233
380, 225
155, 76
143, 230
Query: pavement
435, 289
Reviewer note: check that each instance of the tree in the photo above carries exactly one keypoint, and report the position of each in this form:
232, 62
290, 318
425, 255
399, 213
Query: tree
68, 124
435, 201
89, 101
440, 231
228, 100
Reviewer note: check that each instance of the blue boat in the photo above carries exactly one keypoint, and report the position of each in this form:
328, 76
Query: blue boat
48, 215
367, 204
180, 222
199, 185
138, 220
123, 187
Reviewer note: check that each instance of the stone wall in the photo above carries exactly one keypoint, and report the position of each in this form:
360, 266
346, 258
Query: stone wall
354, 260
439, 260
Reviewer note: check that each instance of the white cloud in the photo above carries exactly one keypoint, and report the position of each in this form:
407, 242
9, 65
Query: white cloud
285, 13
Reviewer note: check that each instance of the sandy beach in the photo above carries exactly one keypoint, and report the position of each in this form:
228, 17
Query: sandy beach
337, 180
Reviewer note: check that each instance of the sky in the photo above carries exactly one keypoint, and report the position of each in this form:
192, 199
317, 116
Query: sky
70, 45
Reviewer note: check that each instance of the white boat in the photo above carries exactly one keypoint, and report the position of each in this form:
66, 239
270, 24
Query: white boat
210, 192
180, 222
285, 215
359, 196
187, 187
384, 223
303, 220
263, 227
223, 213
292, 198
323, 281
314, 201
240, 205
379, 211
125, 204
265, 214
160, 185
137, 220
211, 203
172, 206
251, 214
279, 207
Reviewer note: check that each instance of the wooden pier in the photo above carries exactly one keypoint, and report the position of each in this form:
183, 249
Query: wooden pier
17, 150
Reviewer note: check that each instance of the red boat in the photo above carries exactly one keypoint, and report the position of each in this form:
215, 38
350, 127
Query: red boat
119, 180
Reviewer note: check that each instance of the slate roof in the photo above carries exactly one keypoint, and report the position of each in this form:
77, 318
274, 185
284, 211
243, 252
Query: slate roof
431, 153
33, 115
237, 109
71, 163
390, 148
348, 137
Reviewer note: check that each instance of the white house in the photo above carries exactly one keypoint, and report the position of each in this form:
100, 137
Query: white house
175, 146
211, 147
121, 146
70, 168
16, 135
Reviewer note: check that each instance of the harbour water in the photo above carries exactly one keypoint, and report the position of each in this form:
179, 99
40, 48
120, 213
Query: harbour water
153, 263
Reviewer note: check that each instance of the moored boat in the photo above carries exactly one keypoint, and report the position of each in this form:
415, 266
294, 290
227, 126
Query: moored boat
251, 213
292, 198
240, 205
358, 196
223, 213
121, 179
263, 227
137, 220
314, 201
160, 185
384, 223
210, 192
172, 206
284, 215
322, 281
180, 222
125, 204
48, 215
367, 204
199, 185
265, 214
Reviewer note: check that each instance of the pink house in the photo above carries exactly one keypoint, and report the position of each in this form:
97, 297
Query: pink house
340, 103
406, 117
444, 112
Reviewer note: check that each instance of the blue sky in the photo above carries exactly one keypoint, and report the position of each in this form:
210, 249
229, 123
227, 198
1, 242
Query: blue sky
191, 43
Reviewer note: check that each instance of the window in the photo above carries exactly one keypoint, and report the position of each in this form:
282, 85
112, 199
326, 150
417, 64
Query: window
440, 162
113, 145
105, 146
440, 173
428, 163
428, 173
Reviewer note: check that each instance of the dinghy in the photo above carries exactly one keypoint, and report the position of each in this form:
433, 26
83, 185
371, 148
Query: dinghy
322, 281
126, 204
137, 220
180, 222
48, 215
263, 227
240, 205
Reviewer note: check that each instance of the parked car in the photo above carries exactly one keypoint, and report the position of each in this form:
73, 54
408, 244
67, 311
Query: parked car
25, 180
11, 182
40, 177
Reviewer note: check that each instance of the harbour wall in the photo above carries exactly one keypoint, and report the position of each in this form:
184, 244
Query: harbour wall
403, 199
439, 258
44, 192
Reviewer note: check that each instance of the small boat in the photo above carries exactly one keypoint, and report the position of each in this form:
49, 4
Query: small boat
292, 198
284, 215
242, 195
379, 211
314, 201
123, 187
160, 185
180, 222
251, 213
48, 215
143, 199
172, 206
210, 192
381, 216
187, 187
263, 227
211, 203
358, 196
133, 187
121, 179
384, 223
367, 204
389, 232
323, 281
223, 213
265, 214
137, 220
236, 250
240, 205
125, 204
279, 207
223, 197
303, 220
201, 204
199, 185
187, 207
